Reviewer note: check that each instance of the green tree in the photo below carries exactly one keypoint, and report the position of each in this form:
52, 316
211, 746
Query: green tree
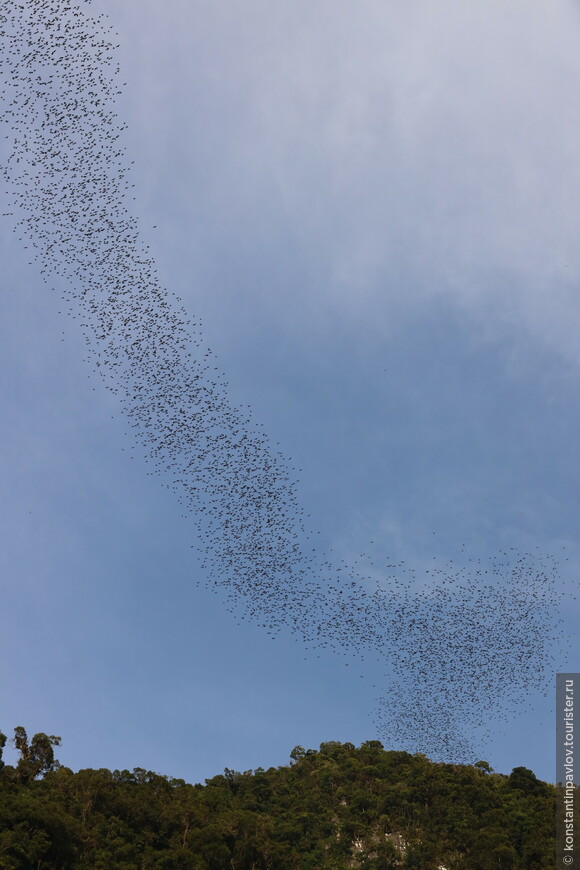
297, 753
36, 757
335, 808
2, 745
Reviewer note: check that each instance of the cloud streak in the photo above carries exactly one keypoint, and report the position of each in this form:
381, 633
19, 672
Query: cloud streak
430, 147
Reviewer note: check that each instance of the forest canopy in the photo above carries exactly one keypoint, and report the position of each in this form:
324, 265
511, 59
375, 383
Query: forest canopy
336, 807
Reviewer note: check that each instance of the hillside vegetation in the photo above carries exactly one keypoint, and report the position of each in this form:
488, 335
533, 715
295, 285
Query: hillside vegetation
334, 808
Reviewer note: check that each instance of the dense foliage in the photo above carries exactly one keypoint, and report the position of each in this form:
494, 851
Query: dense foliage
334, 808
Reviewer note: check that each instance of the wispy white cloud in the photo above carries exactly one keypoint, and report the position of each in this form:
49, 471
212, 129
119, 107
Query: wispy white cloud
425, 146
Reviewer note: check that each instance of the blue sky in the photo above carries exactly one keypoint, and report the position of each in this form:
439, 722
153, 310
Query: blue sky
374, 211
